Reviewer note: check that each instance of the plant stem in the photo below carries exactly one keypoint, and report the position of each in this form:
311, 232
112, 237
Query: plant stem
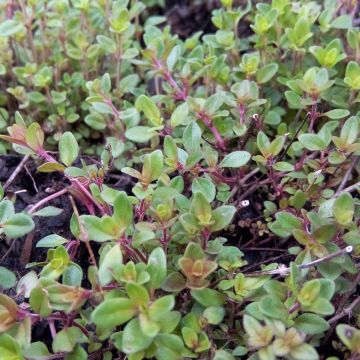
313, 117
349, 189
347, 175
208, 122
295, 135
47, 199
284, 270
179, 94
346, 311
83, 232
249, 175
42, 153
52, 328
118, 60
341, 311
16, 172
242, 109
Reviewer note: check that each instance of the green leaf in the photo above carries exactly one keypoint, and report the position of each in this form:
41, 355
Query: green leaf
34, 137
149, 327
324, 233
120, 21
95, 121
100, 229
153, 166
213, 103
150, 110
235, 159
349, 131
191, 137
273, 307
173, 57
263, 143
190, 337
222, 217
156, 267
312, 142
343, 209
28, 282
205, 186
169, 346
113, 312
223, 355
138, 294
68, 148
140, 134
6, 210
73, 275
283, 166
37, 350
51, 167
179, 115
123, 211
201, 208
350, 336
309, 292
134, 340
7, 278
48, 211
208, 297
337, 114
342, 22
293, 99
18, 225
352, 75
288, 221
161, 306
276, 145
66, 339
266, 73
304, 351
174, 282
52, 240
79, 353
320, 306
10, 348
39, 302
110, 263
10, 27
107, 44
214, 314
311, 324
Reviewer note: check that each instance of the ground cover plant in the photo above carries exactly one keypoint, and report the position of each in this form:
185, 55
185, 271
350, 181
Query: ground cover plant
178, 193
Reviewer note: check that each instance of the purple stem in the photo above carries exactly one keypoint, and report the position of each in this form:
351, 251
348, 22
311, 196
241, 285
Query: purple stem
207, 121
42, 153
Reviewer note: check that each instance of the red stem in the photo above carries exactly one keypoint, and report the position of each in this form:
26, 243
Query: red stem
242, 113
179, 94
208, 122
47, 199
42, 153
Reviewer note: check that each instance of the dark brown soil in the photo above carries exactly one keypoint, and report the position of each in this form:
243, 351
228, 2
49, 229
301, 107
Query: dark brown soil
187, 17
29, 187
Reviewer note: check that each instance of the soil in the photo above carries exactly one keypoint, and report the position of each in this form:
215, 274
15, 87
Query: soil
29, 187
187, 17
